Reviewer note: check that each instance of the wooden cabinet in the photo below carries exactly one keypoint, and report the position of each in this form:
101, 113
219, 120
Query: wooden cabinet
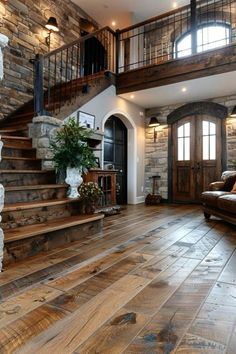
106, 179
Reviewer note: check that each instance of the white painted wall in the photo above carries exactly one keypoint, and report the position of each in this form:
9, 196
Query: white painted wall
107, 104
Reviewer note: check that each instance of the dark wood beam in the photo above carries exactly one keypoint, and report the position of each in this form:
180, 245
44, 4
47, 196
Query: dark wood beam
200, 65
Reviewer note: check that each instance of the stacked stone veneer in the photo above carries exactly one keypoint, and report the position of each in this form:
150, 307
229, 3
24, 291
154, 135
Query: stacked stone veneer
3, 43
23, 22
42, 130
156, 155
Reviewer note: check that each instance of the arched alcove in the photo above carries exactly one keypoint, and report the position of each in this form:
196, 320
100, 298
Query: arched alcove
131, 152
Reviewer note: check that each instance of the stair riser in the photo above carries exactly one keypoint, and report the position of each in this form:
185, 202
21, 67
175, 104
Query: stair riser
23, 133
35, 194
20, 164
18, 152
19, 250
26, 179
16, 218
16, 143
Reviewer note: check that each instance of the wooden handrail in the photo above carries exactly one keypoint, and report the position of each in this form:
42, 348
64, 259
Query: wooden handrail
155, 18
162, 16
79, 40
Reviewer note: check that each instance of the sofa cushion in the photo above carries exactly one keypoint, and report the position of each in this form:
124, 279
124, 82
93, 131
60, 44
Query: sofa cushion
228, 185
227, 203
210, 197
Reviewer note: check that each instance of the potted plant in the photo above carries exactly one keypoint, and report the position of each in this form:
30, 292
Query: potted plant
72, 154
90, 193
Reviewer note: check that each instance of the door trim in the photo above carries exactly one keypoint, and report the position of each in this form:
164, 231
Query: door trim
210, 108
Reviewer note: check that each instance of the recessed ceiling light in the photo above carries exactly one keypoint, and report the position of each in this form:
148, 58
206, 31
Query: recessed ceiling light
184, 89
131, 96
113, 23
174, 5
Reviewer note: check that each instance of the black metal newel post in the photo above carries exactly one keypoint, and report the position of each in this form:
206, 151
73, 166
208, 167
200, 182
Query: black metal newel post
194, 26
38, 86
117, 51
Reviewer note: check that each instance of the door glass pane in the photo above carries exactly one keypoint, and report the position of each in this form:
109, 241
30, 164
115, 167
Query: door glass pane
187, 149
187, 129
180, 149
212, 147
206, 148
181, 131
205, 127
208, 140
184, 142
212, 128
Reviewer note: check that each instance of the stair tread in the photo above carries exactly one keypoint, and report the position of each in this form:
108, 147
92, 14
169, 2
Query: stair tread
37, 204
41, 186
18, 147
14, 137
26, 171
20, 158
52, 225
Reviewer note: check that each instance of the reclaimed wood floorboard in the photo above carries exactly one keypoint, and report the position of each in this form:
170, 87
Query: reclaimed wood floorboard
157, 279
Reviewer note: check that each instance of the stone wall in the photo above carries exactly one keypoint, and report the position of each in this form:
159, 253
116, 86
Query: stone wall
23, 21
156, 154
42, 130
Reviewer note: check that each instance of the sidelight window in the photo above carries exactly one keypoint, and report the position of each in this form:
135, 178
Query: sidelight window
209, 140
208, 37
184, 142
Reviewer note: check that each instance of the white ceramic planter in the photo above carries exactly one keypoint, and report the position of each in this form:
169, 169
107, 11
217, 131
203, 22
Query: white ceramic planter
74, 179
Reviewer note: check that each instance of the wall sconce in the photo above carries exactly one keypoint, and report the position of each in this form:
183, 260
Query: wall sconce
233, 113
153, 124
52, 26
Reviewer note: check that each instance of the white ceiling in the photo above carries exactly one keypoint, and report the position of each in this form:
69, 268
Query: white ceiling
198, 89
126, 12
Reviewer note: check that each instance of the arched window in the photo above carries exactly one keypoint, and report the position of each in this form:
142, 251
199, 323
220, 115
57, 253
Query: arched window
208, 37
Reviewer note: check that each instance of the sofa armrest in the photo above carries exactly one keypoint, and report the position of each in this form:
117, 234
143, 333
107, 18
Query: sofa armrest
216, 186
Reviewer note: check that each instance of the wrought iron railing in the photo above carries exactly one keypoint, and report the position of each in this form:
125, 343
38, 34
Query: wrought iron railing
61, 74
158, 40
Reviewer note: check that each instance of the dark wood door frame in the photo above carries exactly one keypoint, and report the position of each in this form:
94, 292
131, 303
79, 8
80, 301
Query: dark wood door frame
210, 108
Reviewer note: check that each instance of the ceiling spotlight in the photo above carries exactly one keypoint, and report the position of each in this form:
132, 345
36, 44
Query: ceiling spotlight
174, 5
113, 23
131, 96
184, 89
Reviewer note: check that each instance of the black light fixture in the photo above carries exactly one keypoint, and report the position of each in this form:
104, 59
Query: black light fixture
233, 113
153, 124
52, 26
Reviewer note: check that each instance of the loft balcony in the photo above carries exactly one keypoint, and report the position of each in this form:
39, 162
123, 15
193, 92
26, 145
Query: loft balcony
194, 41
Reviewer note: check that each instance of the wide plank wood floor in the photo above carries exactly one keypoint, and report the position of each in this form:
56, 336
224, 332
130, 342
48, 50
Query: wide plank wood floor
157, 279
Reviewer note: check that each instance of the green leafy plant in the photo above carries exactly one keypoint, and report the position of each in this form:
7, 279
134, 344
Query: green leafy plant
90, 191
70, 148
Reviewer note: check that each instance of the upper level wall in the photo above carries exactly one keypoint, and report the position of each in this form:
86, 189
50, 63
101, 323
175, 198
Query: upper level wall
23, 21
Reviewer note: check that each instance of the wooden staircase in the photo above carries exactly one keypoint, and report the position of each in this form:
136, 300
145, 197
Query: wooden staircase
37, 214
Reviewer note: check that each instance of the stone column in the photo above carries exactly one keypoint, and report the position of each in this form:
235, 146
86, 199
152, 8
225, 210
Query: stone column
3, 43
42, 130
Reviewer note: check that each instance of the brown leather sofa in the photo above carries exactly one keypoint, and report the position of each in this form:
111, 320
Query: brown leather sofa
220, 200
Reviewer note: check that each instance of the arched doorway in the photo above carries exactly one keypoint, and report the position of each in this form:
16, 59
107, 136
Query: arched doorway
197, 151
115, 153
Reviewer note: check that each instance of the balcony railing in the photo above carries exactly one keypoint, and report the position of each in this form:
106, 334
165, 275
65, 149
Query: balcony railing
61, 74
204, 25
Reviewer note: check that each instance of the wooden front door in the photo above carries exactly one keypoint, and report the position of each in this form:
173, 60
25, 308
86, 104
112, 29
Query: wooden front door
115, 153
197, 150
